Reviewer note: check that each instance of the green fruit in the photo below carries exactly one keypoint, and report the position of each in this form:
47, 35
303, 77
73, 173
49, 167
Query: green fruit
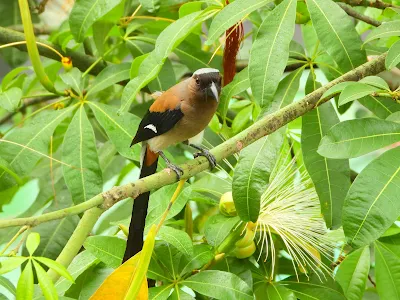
246, 240
226, 205
246, 251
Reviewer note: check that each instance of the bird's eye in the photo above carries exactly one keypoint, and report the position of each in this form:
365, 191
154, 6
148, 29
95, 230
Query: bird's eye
197, 81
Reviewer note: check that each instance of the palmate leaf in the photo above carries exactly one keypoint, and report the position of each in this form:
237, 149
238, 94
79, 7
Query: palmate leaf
337, 34
11, 98
219, 285
109, 249
353, 273
273, 291
252, 174
177, 238
34, 140
119, 128
371, 205
109, 76
230, 15
387, 29
85, 13
79, 149
166, 42
353, 138
393, 57
270, 52
331, 178
387, 272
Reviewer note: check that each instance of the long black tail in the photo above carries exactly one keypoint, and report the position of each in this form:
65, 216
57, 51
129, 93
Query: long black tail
139, 212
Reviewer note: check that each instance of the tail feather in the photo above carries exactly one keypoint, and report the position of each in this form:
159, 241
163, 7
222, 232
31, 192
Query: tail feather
139, 212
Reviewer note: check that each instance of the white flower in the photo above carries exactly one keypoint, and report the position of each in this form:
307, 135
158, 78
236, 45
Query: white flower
290, 209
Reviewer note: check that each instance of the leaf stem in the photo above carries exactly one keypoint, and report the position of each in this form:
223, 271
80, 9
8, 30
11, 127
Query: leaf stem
23, 228
32, 48
39, 43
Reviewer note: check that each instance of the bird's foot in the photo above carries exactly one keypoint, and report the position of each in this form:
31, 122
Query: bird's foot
178, 171
211, 158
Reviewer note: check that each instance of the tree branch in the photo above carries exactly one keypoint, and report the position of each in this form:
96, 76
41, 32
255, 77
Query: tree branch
369, 3
29, 102
76, 240
355, 14
79, 60
261, 128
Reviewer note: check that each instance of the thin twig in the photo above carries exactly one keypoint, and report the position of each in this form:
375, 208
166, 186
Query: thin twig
369, 3
371, 280
355, 14
22, 230
29, 102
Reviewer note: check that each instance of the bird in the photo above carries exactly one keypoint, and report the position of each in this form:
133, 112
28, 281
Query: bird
178, 115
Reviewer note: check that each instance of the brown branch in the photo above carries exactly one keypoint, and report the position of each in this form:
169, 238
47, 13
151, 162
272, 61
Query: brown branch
369, 3
29, 102
36, 29
79, 60
356, 15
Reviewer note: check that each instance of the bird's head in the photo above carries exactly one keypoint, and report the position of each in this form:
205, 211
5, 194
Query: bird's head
206, 83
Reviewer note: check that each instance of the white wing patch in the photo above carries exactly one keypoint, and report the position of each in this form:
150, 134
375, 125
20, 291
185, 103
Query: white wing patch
151, 127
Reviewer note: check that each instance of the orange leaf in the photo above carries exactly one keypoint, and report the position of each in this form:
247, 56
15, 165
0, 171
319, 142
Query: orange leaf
117, 283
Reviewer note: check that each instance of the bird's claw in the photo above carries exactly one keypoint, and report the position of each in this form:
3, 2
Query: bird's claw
178, 171
211, 158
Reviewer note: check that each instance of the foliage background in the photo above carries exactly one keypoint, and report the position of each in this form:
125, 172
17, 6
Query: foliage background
346, 147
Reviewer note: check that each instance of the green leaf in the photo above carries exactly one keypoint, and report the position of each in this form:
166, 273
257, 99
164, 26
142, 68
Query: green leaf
109, 249
32, 242
312, 288
179, 294
218, 227
376, 82
150, 5
374, 191
242, 118
73, 79
202, 254
45, 282
165, 79
9, 78
273, 291
387, 29
353, 273
55, 234
286, 92
355, 91
109, 76
160, 292
25, 283
336, 89
219, 285
85, 13
178, 238
381, 107
393, 56
11, 263
194, 58
252, 173
35, 136
7, 284
353, 138
335, 29
387, 272
230, 15
241, 268
166, 42
239, 84
270, 52
330, 177
79, 149
159, 202
9, 100
55, 266
120, 128
82, 262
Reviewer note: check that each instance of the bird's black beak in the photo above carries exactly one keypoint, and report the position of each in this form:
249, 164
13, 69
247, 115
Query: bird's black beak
213, 91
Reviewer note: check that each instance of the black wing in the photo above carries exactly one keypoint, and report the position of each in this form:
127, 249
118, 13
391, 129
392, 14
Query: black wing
156, 123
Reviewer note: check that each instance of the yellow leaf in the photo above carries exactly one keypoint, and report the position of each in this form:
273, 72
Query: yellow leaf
116, 285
